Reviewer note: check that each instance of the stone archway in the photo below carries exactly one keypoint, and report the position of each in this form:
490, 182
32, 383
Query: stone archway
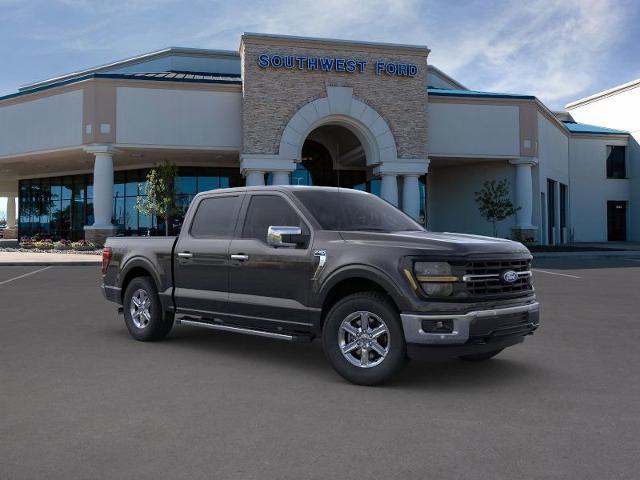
340, 108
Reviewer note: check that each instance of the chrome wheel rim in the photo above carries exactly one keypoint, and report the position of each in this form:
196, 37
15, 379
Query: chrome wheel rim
364, 339
140, 308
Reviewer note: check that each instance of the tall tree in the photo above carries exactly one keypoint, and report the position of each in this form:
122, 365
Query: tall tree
160, 199
494, 203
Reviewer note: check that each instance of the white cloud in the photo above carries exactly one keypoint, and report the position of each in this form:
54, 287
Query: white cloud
554, 49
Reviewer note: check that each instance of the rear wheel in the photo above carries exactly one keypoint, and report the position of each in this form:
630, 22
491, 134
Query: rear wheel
143, 314
363, 338
480, 357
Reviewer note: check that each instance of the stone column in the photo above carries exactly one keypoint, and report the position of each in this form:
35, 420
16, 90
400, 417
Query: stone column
254, 166
11, 232
280, 178
389, 188
410, 170
11, 212
254, 178
411, 195
524, 229
102, 194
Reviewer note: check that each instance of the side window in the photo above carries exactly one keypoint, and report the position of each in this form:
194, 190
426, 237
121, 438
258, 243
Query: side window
216, 217
269, 210
616, 161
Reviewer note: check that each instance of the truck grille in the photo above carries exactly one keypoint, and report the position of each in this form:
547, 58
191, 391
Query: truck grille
485, 277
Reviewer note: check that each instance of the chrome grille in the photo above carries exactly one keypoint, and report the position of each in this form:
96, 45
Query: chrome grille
484, 277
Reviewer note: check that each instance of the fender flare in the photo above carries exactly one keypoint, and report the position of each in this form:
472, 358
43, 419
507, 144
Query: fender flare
363, 271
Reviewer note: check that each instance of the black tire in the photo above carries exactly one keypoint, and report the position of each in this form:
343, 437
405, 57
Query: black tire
396, 349
480, 357
159, 323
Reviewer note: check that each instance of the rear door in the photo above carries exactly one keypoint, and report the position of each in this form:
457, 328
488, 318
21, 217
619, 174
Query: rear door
269, 287
201, 260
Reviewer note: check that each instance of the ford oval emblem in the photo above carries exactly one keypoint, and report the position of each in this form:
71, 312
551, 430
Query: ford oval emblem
509, 276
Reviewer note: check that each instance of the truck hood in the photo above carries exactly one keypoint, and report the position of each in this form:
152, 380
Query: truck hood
437, 243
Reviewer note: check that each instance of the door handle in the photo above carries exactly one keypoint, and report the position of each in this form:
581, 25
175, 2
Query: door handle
240, 257
185, 255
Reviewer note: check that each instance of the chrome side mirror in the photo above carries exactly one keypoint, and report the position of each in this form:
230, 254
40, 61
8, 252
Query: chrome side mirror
279, 237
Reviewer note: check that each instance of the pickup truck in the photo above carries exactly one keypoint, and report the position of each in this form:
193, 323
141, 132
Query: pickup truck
294, 263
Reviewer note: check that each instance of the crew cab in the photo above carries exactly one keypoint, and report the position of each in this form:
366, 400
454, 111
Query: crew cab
295, 263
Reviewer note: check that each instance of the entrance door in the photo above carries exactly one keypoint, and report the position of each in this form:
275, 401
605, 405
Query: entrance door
551, 212
617, 221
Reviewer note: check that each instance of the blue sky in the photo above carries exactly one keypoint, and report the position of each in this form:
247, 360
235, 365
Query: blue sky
557, 50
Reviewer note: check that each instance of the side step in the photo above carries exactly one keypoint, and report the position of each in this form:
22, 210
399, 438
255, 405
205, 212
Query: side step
246, 331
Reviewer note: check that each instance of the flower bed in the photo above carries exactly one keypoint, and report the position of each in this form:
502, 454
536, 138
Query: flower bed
47, 245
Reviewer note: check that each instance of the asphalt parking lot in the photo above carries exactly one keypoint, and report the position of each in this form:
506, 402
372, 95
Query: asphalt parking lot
80, 399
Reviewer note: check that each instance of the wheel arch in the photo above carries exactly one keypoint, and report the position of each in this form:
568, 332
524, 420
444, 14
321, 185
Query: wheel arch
357, 279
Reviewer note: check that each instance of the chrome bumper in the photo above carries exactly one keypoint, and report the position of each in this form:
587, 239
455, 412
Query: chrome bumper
413, 333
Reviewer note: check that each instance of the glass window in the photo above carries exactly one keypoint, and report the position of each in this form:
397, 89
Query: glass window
131, 184
616, 162
131, 216
67, 188
269, 210
208, 183
216, 217
351, 210
118, 184
186, 183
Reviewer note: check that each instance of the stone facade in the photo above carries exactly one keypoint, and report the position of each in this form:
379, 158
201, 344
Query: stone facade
272, 96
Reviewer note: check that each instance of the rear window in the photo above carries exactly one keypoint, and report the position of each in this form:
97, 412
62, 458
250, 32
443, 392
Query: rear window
216, 217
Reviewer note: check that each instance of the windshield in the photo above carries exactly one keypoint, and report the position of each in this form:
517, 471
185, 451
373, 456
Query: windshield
349, 210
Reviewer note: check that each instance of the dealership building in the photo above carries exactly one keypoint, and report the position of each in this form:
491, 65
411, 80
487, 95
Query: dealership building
75, 149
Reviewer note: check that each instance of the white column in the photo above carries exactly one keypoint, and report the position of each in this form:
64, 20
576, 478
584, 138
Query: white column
524, 192
11, 212
102, 186
254, 178
411, 195
389, 188
103, 190
280, 178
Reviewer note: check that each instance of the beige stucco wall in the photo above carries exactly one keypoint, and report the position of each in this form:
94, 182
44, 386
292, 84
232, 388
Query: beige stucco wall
272, 96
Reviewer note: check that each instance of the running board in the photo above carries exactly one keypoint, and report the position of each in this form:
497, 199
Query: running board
246, 331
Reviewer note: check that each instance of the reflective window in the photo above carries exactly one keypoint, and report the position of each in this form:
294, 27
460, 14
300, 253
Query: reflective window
216, 217
616, 162
269, 210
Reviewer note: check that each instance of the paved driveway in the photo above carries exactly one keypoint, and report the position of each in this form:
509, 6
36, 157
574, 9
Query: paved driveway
80, 399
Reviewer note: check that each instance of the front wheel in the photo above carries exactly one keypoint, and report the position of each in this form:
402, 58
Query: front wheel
143, 314
363, 338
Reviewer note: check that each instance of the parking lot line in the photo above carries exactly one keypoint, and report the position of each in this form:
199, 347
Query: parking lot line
555, 273
25, 275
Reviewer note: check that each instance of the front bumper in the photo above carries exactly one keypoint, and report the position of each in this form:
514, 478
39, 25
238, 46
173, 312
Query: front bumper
476, 327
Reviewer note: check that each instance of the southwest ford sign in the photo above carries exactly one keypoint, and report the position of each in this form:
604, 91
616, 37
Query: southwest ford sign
331, 64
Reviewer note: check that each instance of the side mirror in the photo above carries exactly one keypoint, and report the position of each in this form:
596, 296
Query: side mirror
288, 237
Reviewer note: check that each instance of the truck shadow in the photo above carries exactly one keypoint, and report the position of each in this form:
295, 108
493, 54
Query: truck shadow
308, 359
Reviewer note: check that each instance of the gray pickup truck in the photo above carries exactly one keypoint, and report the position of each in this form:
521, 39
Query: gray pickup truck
294, 263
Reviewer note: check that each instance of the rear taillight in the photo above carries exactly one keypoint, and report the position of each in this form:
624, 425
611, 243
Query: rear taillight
106, 259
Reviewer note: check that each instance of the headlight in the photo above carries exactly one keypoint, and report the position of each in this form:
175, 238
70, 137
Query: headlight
435, 278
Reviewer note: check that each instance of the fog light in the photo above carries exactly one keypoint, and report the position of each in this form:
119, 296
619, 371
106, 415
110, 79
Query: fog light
437, 326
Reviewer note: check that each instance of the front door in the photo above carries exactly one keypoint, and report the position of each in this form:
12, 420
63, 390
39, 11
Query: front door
269, 287
201, 258
617, 221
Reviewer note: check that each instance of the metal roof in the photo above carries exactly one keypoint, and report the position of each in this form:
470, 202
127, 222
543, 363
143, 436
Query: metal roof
575, 127
444, 92
186, 77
